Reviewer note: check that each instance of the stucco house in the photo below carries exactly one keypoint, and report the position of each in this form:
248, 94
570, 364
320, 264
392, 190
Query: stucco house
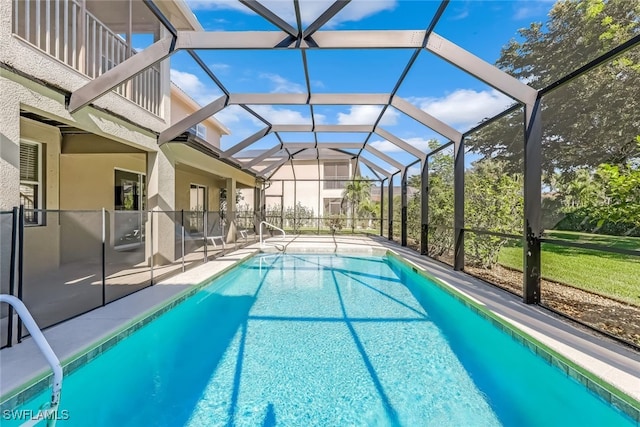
66, 167
314, 185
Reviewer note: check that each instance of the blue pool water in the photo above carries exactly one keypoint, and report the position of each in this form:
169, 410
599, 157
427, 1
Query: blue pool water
302, 340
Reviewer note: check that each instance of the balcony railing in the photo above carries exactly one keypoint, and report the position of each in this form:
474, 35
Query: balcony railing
65, 30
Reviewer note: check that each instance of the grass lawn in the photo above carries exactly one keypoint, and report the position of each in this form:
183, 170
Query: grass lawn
606, 273
631, 243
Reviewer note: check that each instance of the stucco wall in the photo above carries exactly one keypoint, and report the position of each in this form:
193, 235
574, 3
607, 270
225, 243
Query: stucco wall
181, 108
42, 243
42, 100
87, 180
308, 193
190, 157
9, 145
87, 184
20, 93
22, 56
184, 179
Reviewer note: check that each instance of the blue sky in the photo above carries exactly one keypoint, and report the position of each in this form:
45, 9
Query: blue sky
481, 27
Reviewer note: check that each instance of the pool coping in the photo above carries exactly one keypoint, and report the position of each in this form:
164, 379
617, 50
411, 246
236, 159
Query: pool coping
609, 393
603, 388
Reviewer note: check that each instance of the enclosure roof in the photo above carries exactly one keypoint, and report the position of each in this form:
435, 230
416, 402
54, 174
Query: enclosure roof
290, 121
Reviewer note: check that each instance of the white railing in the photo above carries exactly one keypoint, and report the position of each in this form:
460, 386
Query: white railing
262, 240
69, 33
49, 414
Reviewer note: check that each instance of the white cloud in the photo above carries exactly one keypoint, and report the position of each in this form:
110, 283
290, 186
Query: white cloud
194, 87
464, 108
186, 81
216, 4
242, 120
527, 10
284, 115
460, 13
389, 147
524, 13
231, 114
359, 9
220, 67
281, 84
367, 115
309, 10
320, 119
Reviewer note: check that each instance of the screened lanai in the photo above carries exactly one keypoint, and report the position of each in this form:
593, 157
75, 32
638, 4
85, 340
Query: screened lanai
541, 179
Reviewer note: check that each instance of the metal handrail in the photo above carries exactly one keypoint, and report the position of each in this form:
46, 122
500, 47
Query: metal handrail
284, 235
44, 347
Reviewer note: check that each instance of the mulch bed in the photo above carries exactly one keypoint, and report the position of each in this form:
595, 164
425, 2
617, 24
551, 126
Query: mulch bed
600, 312
615, 317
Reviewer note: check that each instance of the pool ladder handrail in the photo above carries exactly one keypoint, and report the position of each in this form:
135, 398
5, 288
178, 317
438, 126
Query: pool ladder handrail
47, 352
263, 241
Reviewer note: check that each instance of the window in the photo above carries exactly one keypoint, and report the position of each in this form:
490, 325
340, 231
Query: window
129, 191
129, 204
197, 204
198, 198
332, 207
336, 175
199, 130
31, 181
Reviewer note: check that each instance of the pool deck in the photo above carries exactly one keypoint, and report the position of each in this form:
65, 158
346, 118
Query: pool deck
614, 363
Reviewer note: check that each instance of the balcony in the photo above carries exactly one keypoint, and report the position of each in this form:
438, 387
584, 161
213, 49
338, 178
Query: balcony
92, 37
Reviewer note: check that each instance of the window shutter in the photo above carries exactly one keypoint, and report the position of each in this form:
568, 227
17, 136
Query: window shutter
29, 162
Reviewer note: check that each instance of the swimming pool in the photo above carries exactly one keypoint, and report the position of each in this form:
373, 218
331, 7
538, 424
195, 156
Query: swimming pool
324, 340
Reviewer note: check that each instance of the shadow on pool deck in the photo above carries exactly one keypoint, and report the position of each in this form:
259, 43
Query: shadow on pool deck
73, 288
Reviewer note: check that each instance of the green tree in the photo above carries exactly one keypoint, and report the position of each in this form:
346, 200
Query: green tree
606, 201
298, 216
368, 210
274, 214
579, 189
355, 193
493, 202
622, 188
413, 219
440, 213
414, 210
593, 119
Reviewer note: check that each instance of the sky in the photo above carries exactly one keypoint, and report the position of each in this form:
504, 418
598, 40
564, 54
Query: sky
433, 85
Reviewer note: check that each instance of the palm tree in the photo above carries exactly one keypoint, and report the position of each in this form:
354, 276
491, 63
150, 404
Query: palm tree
355, 193
368, 210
